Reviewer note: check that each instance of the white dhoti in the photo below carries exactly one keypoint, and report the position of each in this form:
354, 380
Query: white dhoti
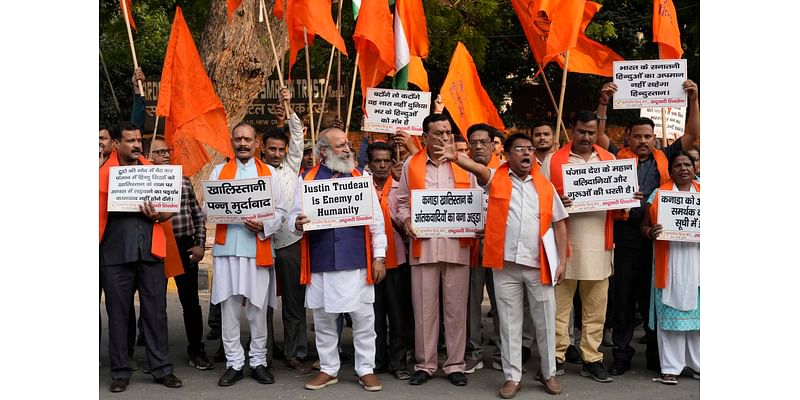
235, 279
332, 293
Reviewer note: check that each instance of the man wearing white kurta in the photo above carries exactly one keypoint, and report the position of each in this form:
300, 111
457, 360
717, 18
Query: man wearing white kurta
338, 267
236, 275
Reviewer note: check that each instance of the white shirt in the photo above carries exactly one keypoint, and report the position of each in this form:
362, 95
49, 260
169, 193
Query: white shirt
285, 180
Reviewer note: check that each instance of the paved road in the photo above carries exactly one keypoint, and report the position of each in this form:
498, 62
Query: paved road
484, 384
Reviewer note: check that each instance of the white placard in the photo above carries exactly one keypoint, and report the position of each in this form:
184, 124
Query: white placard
339, 202
232, 201
676, 120
389, 110
131, 186
447, 212
650, 83
679, 216
604, 185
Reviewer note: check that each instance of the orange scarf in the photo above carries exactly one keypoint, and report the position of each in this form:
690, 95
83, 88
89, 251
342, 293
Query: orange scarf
163, 244
661, 162
494, 162
391, 250
305, 260
560, 158
263, 247
499, 200
661, 247
416, 180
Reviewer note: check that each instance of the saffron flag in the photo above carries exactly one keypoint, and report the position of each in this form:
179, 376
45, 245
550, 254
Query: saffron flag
278, 9
589, 56
565, 23
194, 114
410, 39
315, 16
374, 43
665, 30
534, 17
463, 95
232, 6
417, 74
125, 5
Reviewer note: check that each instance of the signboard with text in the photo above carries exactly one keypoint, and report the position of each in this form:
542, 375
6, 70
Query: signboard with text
131, 186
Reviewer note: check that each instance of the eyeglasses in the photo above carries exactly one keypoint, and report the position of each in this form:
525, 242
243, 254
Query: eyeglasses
482, 143
162, 152
523, 149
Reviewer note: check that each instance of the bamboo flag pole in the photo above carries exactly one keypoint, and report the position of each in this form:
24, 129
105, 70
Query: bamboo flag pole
663, 127
286, 23
352, 93
328, 75
130, 40
155, 133
339, 71
265, 15
561, 98
113, 96
308, 91
555, 106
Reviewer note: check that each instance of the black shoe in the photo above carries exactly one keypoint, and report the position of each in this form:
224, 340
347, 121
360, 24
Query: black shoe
619, 367
213, 334
200, 361
458, 378
596, 371
170, 381
230, 377
419, 378
118, 385
262, 375
573, 356
560, 369
526, 354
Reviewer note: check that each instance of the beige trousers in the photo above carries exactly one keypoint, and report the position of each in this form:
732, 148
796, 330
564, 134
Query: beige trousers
594, 297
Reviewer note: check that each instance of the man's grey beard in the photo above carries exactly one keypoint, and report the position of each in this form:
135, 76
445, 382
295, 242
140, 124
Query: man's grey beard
336, 164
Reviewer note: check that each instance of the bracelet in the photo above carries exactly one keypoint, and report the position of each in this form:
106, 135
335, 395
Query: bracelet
602, 118
603, 104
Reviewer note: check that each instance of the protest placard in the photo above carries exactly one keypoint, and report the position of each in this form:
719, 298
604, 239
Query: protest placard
389, 110
335, 203
650, 83
447, 212
130, 186
605, 185
233, 201
679, 216
676, 120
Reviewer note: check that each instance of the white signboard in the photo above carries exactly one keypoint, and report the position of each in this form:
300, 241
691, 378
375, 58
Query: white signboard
679, 216
605, 185
447, 212
130, 186
335, 203
235, 200
389, 110
650, 83
676, 120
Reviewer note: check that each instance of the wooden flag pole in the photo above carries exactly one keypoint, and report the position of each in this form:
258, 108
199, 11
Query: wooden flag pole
328, 75
663, 127
561, 98
555, 106
113, 96
133, 49
308, 91
352, 94
286, 22
339, 69
155, 133
263, 13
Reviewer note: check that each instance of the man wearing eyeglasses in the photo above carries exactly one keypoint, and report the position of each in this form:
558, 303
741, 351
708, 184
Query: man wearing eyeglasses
190, 234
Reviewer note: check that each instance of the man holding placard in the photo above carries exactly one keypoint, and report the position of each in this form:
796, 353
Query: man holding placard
133, 247
243, 264
436, 260
630, 285
529, 233
340, 264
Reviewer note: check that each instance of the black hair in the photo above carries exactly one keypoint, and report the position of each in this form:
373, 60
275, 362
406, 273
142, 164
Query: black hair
642, 121
459, 139
273, 132
543, 122
584, 116
481, 127
432, 118
116, 133
513, 138
677, 154
379, 146
499, 134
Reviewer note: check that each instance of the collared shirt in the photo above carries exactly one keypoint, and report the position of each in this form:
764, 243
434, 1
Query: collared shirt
286, 179
189, 222
240, 241
522, 226
400, 248
434, 250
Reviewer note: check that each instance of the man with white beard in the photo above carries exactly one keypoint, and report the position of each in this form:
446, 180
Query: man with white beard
338, 270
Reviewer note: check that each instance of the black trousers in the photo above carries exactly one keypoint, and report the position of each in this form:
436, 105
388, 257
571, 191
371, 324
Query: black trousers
119, 283
393, 304
293, 298
190, 301
629, 290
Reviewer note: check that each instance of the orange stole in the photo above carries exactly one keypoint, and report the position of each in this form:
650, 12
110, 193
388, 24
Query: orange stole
499, 201
661, 247
560, 158
391, 250
263, 247
661, 162
416, 180
305, 259
163, 244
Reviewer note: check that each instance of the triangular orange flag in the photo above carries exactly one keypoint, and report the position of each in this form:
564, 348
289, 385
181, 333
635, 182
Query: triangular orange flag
534, 17
589, 56
415, 27
374, 39
565, 23
463, 95
232, 6
665, 30
195, 115
125, 5
315, 16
